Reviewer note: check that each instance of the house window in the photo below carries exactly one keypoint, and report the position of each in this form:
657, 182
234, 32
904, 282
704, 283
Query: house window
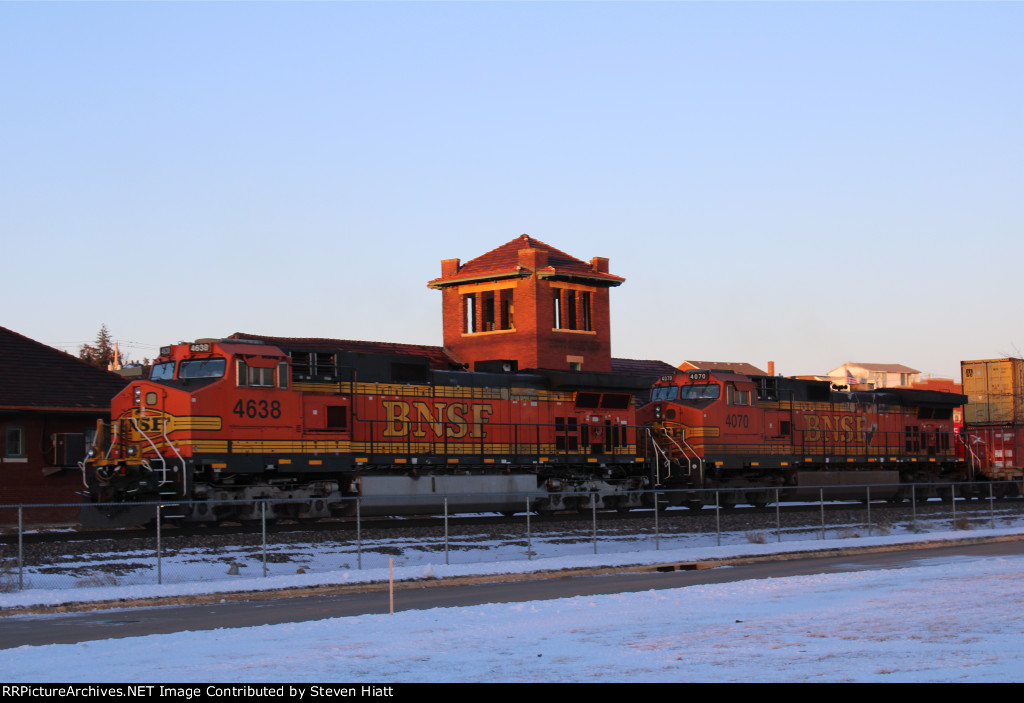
14, 443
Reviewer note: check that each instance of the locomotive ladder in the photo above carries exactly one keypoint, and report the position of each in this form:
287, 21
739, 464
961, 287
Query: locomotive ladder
689, 461
163, 462
660, 451
975, 459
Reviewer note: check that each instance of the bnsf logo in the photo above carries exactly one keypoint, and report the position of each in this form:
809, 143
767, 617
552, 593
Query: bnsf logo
835, 428
151, 425
441, 419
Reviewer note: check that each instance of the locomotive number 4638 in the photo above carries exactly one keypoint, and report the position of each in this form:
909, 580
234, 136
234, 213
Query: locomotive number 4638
261, 408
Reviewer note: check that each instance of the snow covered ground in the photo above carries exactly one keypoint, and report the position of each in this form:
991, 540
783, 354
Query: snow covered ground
941, 620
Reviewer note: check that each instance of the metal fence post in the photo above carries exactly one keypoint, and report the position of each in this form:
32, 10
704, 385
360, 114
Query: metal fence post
821, 502
593, 518
718, 520
991, 506
21, 556
913, 504
159, 566
263, 519
359, 538
952, 494
446, 529
869, 510
657, 528
529, 543
778, 518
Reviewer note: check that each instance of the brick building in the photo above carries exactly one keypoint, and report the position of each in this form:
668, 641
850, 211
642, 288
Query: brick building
527, 305
49, 404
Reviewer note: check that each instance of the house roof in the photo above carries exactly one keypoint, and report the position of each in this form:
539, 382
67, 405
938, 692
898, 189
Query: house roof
877, 368
437, 356
505, 261
34, 376
736, 366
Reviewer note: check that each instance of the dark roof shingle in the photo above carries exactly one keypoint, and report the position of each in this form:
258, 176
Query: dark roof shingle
34, 376
437, 356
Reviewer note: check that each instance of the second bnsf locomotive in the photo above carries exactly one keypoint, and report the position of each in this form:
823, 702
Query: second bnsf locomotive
747, 436
228, 422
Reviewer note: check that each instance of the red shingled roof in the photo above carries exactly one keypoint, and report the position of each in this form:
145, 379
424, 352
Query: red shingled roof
505, 260
437, 356
642, 367
34, 376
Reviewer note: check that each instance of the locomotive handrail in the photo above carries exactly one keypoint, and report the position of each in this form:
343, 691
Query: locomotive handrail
116, 426
970, 450
659, 450
184, 473
689, 465
159, 456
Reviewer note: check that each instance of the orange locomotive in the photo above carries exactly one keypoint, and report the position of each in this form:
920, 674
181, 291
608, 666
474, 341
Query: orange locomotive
748, 435
228, 422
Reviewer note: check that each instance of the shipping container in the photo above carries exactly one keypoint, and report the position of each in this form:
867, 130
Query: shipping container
994, 390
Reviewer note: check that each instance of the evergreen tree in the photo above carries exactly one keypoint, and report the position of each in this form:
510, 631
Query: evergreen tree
100, 354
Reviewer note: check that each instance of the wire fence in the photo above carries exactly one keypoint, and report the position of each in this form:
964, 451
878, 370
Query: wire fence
31, 557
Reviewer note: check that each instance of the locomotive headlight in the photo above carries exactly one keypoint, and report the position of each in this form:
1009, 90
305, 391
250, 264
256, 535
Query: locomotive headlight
91, 453
132, 451
657, 411
138, 395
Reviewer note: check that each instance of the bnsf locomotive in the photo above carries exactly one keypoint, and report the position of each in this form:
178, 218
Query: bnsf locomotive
747, 436
227, 422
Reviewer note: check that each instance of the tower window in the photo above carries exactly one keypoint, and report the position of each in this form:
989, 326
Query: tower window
489, 311
469, 313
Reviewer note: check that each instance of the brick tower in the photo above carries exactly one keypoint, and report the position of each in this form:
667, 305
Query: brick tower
527, 305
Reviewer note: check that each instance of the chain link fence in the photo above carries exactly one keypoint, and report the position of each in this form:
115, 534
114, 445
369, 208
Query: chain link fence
34, 555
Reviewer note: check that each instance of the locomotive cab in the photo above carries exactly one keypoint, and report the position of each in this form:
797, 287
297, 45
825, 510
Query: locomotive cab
158, 425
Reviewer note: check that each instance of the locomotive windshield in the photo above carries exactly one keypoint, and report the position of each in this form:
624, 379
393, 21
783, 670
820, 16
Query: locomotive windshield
705, 391
665, 393
162, 372
202, 368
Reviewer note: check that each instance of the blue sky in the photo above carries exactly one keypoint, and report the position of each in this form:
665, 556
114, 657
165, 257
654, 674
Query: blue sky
811, 183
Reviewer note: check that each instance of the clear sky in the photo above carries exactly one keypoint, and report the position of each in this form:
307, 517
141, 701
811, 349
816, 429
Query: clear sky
806, 182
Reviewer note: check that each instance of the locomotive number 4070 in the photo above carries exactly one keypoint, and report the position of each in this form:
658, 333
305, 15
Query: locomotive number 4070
262, 408
736, 421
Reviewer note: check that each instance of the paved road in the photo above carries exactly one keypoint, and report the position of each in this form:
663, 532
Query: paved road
80, 627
